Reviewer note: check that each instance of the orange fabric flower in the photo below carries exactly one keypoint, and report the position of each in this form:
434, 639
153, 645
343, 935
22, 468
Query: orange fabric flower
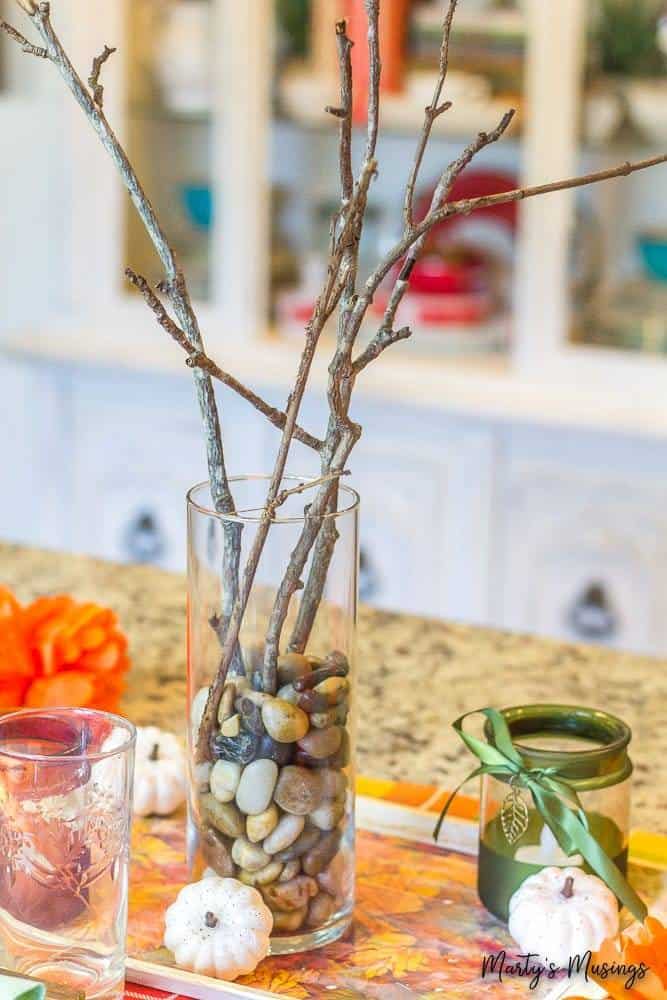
56, 652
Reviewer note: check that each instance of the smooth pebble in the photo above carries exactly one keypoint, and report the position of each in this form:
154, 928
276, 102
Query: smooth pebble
290, 870
291, 895
283, 721
289, 828
249, 856
298, 790
262, 824
292, 921
256, 786
322, 853
319, 743
291, 666
224, 779
264, 876
301, 845
224, 816
328, 815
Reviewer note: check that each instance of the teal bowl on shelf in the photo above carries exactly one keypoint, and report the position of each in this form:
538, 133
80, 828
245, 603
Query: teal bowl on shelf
198, 204
653, 251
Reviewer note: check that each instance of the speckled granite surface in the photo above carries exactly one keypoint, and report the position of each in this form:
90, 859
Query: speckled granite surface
416, 676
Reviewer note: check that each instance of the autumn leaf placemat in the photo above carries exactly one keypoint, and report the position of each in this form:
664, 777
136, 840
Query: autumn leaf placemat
419, 930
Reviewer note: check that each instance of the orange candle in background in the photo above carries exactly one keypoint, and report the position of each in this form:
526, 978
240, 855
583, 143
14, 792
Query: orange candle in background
393, 33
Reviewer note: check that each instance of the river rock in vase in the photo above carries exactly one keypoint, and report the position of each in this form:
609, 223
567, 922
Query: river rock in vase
273, 803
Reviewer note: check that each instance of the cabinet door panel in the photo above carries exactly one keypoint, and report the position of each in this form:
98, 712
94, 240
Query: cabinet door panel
586, 555
425, 487
139, 448
32, 444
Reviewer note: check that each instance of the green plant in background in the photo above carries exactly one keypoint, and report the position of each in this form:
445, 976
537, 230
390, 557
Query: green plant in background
293, 18
626, 33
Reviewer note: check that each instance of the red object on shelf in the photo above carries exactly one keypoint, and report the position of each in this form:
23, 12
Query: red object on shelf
475, 183
393, 31
434, 274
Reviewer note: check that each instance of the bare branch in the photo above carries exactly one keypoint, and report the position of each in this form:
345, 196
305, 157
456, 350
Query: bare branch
469, 205
29, 6
381, 341
197, 359
273, 415
157, 308
344, 46
374, 74
309, 484
94, 78
431, 113
26, 46
441, 193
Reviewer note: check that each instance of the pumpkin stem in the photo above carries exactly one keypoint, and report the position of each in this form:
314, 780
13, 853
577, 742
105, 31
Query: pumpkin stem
155, 752
210, 919
568, 888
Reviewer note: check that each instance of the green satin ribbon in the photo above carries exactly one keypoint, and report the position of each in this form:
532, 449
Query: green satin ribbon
555, 799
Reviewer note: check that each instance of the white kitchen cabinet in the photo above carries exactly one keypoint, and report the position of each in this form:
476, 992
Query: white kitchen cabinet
582, 547
33, 476
138, 448
425, 485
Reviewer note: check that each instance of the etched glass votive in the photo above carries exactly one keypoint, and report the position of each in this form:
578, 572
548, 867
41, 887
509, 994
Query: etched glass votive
65, 807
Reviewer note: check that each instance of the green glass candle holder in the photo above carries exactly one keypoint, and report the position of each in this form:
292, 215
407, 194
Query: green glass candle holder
589, 750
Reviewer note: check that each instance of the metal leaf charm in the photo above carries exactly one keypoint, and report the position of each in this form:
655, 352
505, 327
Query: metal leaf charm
514, 816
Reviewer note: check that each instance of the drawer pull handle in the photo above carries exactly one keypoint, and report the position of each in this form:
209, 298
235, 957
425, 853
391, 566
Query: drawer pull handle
144, 540
592, 616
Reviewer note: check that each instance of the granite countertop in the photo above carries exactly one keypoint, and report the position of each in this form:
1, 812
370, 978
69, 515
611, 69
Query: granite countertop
415, 675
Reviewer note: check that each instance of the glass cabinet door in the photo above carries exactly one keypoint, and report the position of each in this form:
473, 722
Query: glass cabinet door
460, 299
619, 253
170, 112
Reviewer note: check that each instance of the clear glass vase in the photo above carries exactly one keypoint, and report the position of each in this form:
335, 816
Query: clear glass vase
272, 796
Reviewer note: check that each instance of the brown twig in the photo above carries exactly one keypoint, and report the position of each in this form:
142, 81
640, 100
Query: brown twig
309, 484
431, 113
94, 78
442, 191
26, 46
344, 112
275, 416
382, 340
374, 75
197, 359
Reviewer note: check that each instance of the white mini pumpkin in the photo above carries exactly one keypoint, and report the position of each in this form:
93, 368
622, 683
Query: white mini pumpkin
218, 927
159, 773
562, 912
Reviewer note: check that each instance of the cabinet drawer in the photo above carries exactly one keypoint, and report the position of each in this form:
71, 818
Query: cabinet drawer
585, 556
425, 487
138, 449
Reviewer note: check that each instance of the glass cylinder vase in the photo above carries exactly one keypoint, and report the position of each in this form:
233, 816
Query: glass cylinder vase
272, 775
588, 749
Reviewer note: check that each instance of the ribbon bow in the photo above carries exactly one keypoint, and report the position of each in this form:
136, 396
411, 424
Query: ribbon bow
555, 799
